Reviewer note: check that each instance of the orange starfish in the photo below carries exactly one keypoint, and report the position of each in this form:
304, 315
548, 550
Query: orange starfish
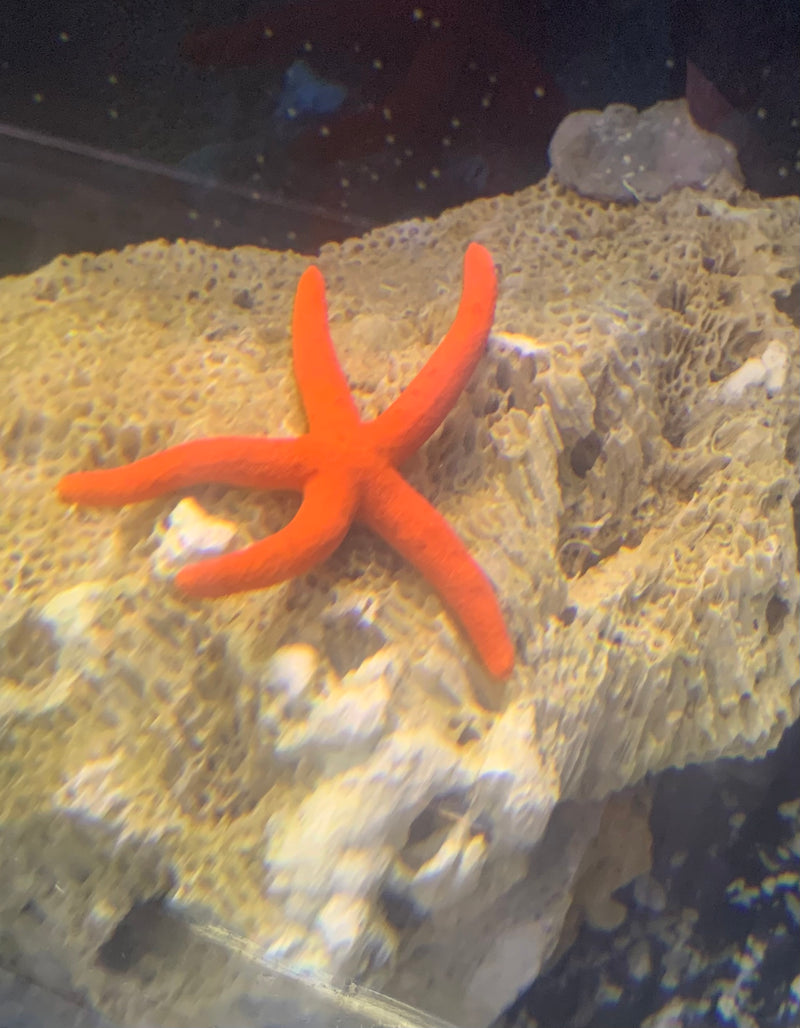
344, 467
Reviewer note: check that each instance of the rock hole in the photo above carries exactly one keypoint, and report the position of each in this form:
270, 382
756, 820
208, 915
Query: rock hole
146, 928
349, 640
796, 522
399, 911
777, 609
789, 303
584, 454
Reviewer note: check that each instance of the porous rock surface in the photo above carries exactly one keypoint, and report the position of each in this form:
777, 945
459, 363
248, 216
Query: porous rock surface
323, 767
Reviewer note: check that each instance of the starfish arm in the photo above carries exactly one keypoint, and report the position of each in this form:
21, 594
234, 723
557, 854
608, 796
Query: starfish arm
320, 524
326, 395
404, 518
422, 406
249, 461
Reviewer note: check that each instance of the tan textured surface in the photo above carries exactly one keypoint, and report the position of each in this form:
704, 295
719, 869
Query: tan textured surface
638, 529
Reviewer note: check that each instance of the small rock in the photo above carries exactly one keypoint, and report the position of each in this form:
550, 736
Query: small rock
624, 156
189, 533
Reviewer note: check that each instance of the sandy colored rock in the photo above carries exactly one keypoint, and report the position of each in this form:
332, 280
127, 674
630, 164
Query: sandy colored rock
323, 767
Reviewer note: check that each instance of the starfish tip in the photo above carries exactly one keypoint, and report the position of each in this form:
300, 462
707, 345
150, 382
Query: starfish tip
67, 488
311, 281
478, 262
500, 663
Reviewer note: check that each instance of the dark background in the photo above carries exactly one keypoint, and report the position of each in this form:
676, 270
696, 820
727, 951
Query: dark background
160, 81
